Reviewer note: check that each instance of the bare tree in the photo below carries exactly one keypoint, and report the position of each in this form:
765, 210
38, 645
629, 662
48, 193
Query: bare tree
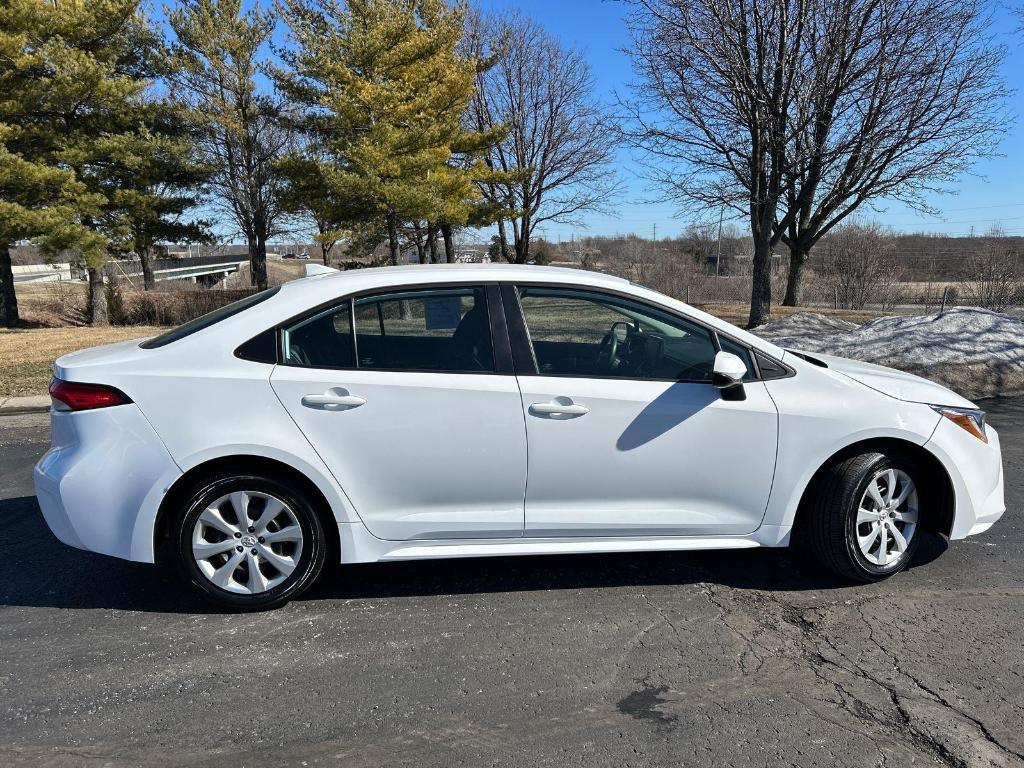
896, 99
993, 272
217, 56
859, 266
716, 83
559, 141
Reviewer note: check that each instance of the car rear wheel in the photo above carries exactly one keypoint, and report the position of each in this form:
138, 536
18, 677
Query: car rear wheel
249, 542
864, 517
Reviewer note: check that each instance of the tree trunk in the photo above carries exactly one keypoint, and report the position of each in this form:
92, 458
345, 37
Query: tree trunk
421, 248
795, 280
392, 221
432, 242
250, 243
503, 241
761, 287
98, 314
523, 242
325, 252
449, 242
8, 298
148, 280
258, 258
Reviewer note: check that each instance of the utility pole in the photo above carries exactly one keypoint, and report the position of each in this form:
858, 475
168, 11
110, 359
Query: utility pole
655, 238
718, 258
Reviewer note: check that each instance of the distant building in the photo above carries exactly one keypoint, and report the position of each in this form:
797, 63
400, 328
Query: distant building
472, 255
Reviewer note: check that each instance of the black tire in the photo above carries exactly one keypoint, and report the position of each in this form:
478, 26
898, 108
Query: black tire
311, 557
831, 519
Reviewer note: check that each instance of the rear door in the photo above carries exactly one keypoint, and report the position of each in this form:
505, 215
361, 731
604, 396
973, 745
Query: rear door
409, 397
626, 434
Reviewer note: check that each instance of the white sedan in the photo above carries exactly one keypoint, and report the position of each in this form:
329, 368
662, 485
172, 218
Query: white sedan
471, 410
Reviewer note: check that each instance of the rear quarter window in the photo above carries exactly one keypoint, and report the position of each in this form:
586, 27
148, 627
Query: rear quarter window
210, 318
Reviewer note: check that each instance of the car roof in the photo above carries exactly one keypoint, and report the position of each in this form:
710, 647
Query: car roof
374, 277
306, 293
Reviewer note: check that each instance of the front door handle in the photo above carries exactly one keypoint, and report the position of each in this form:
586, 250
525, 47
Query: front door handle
560, 406
330, 401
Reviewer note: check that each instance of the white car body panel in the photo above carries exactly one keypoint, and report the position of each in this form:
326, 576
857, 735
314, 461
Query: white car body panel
897, 384
976, 471
647, 459
428, 456
820, 413
204, 404
106, 469
101, 485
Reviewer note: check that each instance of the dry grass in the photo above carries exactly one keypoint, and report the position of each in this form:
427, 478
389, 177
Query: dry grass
28, 354
53, 305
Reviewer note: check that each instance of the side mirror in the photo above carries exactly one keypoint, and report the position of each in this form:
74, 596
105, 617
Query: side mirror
728, 376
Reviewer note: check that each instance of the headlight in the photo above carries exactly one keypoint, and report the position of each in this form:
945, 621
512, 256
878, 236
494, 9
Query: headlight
970, 419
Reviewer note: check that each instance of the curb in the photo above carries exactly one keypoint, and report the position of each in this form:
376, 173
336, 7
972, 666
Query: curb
12, 406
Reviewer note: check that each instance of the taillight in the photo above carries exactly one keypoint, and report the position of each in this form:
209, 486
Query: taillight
73, 396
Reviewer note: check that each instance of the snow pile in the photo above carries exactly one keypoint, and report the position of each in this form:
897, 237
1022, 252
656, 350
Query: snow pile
805, 324
976, 351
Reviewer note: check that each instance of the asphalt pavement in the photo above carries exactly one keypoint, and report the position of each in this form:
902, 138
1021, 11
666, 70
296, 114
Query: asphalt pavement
740, 658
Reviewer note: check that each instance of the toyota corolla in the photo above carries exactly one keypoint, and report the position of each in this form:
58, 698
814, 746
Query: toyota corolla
474, 410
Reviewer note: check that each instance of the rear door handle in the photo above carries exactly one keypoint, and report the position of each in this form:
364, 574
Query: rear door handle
559, 407
329, 400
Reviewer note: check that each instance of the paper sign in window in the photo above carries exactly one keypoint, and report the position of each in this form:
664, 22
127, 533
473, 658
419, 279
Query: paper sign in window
443, 312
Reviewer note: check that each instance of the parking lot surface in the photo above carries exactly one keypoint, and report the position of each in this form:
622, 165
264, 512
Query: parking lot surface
739, 658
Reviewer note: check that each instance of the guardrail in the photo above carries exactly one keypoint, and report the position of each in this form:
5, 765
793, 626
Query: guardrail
211, 269
41, 273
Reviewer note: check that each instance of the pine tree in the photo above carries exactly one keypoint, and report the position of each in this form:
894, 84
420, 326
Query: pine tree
383, 87
152, 183
73, 113
41, 200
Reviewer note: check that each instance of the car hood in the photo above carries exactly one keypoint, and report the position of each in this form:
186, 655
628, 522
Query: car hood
897, 384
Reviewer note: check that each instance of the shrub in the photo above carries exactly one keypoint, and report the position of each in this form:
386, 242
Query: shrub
170, 307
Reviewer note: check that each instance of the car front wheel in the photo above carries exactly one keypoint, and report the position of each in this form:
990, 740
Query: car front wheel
864, 517
249, 543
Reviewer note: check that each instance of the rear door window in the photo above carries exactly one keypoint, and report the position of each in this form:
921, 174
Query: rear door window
437, 329
321, 341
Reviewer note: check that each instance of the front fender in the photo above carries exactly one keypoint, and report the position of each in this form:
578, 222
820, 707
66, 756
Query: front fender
819, 416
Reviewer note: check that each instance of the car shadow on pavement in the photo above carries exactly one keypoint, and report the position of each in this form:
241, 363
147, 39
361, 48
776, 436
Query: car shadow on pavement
39, 571
754, 569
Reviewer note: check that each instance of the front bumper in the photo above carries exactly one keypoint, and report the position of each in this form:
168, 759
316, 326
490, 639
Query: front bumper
976, 470
100, 485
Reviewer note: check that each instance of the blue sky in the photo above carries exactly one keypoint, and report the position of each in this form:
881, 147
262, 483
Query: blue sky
994, 195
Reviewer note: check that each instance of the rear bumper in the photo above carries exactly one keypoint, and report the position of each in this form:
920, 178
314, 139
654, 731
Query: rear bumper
976, 470
100, 485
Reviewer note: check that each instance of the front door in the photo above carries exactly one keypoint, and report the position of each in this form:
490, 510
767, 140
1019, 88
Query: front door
411, 413
626, 434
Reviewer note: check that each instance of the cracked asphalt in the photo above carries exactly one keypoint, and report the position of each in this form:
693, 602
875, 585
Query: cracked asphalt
745, 658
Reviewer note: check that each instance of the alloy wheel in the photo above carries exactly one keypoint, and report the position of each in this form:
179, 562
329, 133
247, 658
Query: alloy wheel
887, 517
247, 542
